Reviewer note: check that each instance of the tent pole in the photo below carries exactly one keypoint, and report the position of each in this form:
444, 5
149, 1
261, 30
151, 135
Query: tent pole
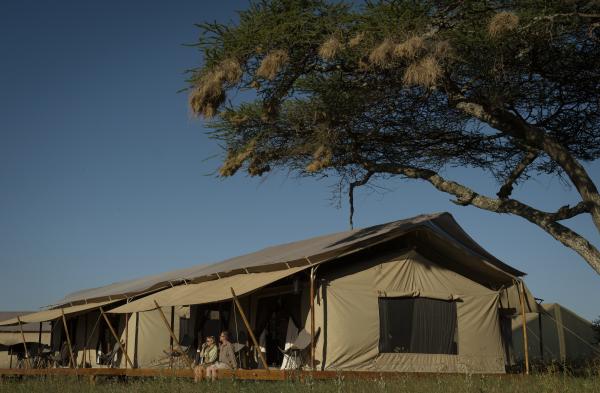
525, 343
171, 338
72, 357
252, 336
185, 356
126, 335
312, 318
28, 365
115, 336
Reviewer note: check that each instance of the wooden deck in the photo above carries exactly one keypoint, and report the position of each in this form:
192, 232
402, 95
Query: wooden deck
260, 375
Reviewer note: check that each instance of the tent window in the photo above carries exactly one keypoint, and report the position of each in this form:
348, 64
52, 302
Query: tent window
417, 325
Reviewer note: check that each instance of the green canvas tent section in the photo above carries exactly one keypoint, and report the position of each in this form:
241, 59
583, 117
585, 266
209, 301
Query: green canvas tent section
555, 335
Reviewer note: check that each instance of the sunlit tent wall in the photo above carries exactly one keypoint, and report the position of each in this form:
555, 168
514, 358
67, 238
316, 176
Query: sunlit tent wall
411, 295
554, 334
11, 341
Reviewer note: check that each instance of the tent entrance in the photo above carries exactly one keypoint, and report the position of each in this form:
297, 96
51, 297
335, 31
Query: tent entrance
273, 316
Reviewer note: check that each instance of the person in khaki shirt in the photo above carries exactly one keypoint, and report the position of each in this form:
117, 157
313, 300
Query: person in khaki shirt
208, 356
226, 358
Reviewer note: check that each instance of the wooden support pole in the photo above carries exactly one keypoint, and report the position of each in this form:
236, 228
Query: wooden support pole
185, 356
114, 333
250, 332
525, 342
312, 319
172, 325
27, 364
126, 335
72, 363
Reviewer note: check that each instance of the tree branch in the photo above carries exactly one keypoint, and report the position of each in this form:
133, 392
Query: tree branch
466, 196
534, 137
507, 187
351, 188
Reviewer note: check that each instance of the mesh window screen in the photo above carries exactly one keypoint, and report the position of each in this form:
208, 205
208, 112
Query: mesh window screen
417, 325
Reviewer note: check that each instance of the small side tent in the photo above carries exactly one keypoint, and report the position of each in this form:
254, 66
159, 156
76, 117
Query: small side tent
555, 335
411, 295
36, 336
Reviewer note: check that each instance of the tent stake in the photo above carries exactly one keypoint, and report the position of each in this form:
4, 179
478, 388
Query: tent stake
525, 343
72, 364
312, 318
252, 336
115, 336
27, 364
185, 356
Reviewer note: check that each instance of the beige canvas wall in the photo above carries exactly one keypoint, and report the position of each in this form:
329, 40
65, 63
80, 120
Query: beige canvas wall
351, 312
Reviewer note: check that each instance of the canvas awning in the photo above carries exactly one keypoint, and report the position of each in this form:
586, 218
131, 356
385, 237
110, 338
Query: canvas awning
207, 291
49, 315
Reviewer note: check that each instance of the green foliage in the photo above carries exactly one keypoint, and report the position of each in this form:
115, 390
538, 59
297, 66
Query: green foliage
376, 83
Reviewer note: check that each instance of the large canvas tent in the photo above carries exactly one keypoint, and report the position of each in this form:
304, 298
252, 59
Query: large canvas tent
426, 269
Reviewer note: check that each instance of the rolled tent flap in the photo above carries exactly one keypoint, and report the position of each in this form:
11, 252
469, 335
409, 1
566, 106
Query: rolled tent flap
49, 315
207, 291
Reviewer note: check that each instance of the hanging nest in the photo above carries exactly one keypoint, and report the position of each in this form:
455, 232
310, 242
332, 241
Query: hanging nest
322, 158
209, 92
235, 159
381, 56
502, 23
425, 72
272, 63
410, 48
330, 48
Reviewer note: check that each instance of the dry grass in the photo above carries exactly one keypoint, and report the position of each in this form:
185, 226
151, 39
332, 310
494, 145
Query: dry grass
330, 48
381, 55
272, 63
356, 40
545, 383
321, 159
502, 23
443, 50
410, 48
426, 72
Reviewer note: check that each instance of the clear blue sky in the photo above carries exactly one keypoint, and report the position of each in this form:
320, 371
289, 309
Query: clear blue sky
103, 172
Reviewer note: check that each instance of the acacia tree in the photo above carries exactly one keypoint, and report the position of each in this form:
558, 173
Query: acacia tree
407, 88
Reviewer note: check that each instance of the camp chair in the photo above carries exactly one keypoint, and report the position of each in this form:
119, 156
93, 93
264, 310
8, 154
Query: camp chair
110, 358
293, 359
62, 358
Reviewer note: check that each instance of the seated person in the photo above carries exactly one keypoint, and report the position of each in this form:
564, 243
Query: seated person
226, 358
208, 356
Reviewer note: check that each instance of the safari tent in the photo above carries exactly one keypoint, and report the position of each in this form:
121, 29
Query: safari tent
36, 335
411, 295
555, 334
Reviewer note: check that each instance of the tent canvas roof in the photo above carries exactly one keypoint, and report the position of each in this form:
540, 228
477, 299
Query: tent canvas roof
301, 253
27, 327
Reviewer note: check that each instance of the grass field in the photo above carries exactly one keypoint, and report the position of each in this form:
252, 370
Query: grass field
550, 383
